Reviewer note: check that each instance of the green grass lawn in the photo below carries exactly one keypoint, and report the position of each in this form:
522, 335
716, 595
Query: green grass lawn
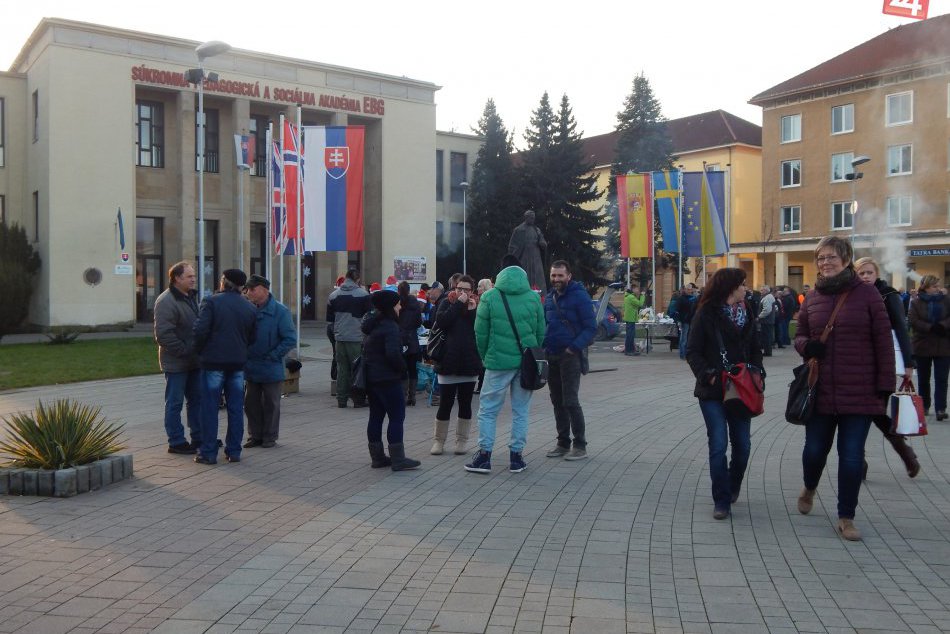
30, 364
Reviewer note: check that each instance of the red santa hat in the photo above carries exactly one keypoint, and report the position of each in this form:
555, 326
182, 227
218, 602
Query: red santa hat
391, 280
374, 287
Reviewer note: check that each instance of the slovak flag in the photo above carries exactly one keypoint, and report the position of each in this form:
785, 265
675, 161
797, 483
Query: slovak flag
333, 188
293, 169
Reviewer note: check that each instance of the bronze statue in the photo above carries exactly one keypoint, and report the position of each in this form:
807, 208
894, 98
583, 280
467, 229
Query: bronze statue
528, 245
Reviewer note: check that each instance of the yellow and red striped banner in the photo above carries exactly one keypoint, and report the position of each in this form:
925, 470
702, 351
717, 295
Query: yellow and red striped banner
635, 198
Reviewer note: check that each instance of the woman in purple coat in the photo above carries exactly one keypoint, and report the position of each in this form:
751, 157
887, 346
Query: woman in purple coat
856, 375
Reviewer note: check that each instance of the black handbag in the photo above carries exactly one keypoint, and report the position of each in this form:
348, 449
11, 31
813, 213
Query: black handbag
359, 373
435, 347
802, 391
534, 362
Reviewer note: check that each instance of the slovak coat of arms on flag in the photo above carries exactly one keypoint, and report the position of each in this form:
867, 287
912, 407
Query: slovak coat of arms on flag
337, 161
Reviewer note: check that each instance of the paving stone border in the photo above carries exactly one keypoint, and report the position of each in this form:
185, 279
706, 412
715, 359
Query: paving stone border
64, 483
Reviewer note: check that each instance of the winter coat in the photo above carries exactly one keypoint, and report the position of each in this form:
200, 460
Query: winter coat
382, 349
702, 348
274, 338
410, 318
461, 354
686, 308
767, 310
175, 316
631, 307
571, 324
858, 368
493, 334
926, 343
345, 308
226, 326
895, 314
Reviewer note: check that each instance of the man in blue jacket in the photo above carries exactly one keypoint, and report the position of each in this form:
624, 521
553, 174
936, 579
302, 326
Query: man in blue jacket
264, 370
224, 330
571, 327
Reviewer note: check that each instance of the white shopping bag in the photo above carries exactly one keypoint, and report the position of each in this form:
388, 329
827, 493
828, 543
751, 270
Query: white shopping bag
907, 412
898, 356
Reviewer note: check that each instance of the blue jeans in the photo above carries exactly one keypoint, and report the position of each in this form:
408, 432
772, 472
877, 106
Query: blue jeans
941, 369
852, 433
180, 386
231, 382
723, 428
630, 343
491, 399
684, 332
386, 399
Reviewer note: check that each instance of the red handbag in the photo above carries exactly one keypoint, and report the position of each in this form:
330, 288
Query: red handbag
743, 388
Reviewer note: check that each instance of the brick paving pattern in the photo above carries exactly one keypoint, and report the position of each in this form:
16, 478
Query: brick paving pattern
306, 537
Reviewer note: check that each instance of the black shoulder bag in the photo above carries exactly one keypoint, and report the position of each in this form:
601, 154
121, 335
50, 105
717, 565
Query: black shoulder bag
534, 363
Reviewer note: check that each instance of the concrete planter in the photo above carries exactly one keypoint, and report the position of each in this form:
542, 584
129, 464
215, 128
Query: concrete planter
64, 483
291, 383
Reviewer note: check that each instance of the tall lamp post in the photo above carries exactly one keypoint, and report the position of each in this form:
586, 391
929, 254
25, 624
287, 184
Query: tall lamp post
464, 185
855, 176
197, 76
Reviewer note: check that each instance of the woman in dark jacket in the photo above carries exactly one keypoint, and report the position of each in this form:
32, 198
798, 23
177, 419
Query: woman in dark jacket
856, 374
723, 309
460, 365
385, 370
410, 318
869, 273
930, 318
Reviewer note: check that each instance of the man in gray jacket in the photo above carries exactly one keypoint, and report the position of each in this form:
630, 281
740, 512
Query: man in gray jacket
176, 310
345, 309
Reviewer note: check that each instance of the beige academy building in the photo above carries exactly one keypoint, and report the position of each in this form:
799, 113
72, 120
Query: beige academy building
95, 119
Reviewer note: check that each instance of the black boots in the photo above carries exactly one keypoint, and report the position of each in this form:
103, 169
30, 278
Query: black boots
380, 459
906, 453
400, 462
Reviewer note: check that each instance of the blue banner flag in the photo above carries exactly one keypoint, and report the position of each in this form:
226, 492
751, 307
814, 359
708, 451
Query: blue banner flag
704, 207
666, 193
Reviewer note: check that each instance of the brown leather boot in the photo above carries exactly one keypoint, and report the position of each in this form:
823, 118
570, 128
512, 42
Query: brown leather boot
899, 443
806, 499
848, 530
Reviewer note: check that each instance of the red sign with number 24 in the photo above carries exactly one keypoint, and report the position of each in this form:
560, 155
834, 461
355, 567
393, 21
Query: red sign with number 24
916, 9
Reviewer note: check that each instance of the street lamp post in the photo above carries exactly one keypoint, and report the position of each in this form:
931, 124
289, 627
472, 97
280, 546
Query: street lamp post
464, 185
855, 176
197, 76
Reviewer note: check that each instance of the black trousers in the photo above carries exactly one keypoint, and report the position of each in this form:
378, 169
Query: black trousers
262, 407
564, 382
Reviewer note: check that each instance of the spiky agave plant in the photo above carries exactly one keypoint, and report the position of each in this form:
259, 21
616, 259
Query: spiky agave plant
64, 434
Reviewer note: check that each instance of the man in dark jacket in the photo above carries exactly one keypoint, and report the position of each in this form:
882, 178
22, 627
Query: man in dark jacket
345, 309
225, 328
264, 370
176, 310
571, 327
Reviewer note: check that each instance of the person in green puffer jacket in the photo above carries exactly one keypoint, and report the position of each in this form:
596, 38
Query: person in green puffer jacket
633, 301
501, 356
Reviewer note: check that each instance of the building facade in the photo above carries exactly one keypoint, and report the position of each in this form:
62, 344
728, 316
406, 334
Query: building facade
94, 120
859, 147
455, 156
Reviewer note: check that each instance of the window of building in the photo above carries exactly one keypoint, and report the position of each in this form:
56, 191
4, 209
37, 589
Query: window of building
841, 216
259, 248
458, 170
258, 130
792, 173
36, 216
149, 134
842, 119
791, 128
211, 142
841, 166
439, 184
898, 211
210, 272
2, 132
36, 116
899, 108
712, 167
792, 219
900, 159
150, 277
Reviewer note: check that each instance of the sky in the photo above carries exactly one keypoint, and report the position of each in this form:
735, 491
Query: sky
699, 55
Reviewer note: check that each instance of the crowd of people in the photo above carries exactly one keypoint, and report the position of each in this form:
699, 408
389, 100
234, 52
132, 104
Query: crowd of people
862, 333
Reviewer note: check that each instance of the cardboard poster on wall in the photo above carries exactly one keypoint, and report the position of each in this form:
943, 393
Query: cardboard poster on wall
410, 268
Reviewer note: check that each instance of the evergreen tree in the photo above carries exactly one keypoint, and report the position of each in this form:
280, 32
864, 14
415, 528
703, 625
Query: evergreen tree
644, 144
555, 182
492, 208
18, 264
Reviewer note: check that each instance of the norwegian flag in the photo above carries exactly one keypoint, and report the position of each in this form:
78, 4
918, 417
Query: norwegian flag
278, 210
293, 173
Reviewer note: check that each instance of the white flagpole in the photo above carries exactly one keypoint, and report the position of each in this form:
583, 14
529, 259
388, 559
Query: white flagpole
299, 243
680, 237
653, 303
269, 203
283, 207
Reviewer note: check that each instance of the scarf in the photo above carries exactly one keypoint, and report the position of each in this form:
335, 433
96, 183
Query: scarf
934, 305
836, 283
736, 314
